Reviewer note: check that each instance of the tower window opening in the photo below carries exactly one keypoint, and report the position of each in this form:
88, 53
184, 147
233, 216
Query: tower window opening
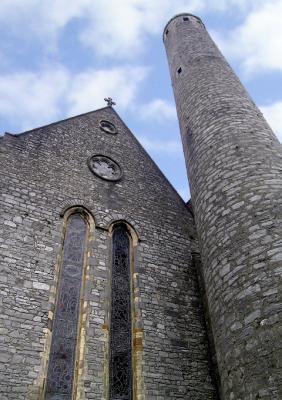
166, 32
179, 70
185, 19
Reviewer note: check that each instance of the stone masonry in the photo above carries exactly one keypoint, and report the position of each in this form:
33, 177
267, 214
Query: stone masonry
234, 164
44, 176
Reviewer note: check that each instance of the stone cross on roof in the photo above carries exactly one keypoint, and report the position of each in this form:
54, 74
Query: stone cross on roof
109, 101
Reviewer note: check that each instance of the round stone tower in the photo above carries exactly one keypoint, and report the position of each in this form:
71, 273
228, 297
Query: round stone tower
234, 164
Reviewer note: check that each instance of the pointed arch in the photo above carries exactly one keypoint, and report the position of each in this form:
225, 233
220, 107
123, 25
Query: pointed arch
128, 226
61, 374
120, 362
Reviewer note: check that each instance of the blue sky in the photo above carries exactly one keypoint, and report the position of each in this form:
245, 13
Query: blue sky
59, 58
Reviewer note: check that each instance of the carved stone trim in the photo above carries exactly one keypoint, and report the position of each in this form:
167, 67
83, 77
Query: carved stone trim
108, 127
104, 167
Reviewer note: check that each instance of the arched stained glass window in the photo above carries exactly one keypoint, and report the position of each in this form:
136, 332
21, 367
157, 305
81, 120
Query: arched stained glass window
59, 384
120, 373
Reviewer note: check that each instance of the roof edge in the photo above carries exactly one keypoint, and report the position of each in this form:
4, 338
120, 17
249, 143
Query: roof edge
148, 155
57, 122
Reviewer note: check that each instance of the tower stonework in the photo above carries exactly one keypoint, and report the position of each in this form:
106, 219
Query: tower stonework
105, 291
234, 164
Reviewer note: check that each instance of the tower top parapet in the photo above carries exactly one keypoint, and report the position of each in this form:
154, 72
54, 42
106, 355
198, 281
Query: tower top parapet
183, 15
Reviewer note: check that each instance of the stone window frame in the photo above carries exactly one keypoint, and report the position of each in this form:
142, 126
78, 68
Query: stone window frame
108, 131
137, 334
179, 71
114, 180
83, 303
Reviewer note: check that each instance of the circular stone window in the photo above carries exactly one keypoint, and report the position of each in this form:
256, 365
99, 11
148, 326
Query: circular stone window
105, 168
108, 127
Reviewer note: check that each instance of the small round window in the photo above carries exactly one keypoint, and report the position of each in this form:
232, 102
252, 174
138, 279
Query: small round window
108, 127
105, 167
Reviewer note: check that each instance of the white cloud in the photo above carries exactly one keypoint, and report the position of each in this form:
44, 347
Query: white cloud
161, 146
111, 28
32, 98
88, 89
257, 42
273, 115
41, 17
224, 5
120, 28
158, 110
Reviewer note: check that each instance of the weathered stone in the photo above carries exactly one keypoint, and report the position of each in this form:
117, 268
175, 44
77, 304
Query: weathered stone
53, 176
234, 163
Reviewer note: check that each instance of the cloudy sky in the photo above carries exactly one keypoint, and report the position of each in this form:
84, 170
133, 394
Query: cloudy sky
59, 58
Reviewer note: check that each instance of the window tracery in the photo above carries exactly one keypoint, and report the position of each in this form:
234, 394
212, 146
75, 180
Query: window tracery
120, 328
60, 376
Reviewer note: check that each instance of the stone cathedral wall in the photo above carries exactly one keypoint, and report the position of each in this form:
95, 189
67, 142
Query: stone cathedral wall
44, 176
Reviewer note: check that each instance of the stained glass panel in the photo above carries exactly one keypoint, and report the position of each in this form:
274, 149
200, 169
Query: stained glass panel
59, 383
120, 330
